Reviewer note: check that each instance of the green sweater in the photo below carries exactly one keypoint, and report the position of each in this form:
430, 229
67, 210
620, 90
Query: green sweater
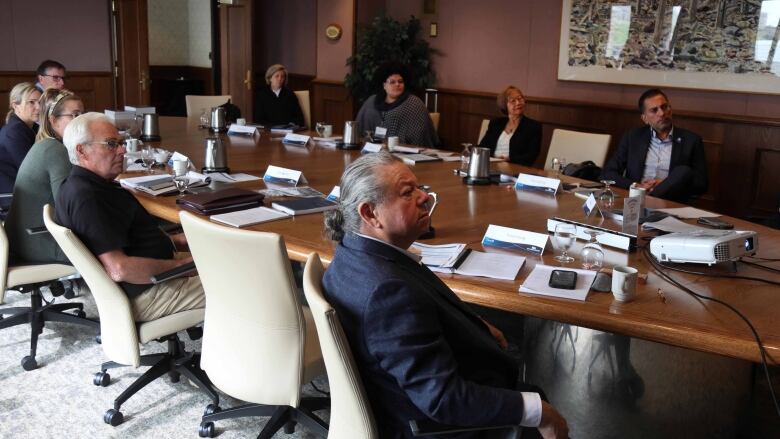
42, 172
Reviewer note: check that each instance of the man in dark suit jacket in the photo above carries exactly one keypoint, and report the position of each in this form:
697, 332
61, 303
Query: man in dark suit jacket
667, 161
422, 353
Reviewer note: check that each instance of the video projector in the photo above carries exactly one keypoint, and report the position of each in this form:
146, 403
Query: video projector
704, 246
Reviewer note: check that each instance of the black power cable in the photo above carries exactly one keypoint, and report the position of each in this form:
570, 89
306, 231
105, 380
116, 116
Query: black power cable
763, 267
659, 269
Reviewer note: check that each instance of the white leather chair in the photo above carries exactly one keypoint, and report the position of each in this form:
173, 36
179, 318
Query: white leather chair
350, 411
196, 104
305, 103
259, 344
30, 279
121, 335
483, 130
435, 121
576, 147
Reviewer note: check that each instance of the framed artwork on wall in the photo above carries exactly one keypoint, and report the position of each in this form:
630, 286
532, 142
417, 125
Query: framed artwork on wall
699, 44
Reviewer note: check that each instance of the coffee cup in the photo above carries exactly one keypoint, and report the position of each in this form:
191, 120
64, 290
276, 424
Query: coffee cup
636, 191
132, 145
180, 167
624, 280
241, 121
392, 142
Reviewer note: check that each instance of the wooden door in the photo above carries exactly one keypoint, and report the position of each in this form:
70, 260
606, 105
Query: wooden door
235, 27
131, 56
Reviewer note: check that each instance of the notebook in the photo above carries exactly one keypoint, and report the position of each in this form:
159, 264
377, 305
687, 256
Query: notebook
248, 217
302, 206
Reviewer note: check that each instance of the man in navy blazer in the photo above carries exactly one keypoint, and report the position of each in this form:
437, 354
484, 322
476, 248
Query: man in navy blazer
421, 352
667, 161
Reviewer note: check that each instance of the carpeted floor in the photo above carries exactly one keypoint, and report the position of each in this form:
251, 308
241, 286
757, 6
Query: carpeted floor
58, 400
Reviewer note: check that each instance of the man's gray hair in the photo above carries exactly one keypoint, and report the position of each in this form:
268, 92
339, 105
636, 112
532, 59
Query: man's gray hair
361, 183
78, 132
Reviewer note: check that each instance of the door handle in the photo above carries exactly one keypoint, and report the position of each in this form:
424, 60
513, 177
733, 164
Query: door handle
248, 80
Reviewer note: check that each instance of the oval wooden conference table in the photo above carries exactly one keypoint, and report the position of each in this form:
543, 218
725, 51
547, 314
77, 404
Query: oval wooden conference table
463, 214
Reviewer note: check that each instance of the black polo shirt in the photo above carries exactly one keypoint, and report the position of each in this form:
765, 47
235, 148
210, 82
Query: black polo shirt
106, 217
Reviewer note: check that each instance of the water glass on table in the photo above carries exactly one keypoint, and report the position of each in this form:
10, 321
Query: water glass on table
565, 235
147, 158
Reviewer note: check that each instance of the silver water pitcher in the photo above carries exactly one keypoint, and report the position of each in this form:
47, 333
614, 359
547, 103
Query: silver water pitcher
218, 120
351, 135
151, 128
215, 159
479, 166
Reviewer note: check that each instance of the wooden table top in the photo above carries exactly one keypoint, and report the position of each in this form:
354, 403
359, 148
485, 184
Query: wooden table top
463, 214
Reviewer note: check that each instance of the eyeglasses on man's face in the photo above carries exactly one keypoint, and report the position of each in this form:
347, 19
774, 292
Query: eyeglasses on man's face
110, 144
56, 78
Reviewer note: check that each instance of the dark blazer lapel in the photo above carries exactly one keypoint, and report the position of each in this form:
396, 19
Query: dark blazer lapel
641, 151
677, 149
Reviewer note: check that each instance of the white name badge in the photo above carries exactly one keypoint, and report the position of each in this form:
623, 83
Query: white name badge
536, 183
631, 207
508, 238
380, 132
590, 206
371, 147
276, 174
335, 194
248, 130
296, 139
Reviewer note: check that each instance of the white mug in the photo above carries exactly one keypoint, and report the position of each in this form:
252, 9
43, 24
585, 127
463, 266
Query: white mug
624, 283
327, 131
180, 167
131, 145
392, 142
635, 191
241, 121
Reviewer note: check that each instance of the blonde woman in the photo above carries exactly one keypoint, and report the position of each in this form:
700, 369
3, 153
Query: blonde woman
516, 137
276, 104
38, 181
18, 134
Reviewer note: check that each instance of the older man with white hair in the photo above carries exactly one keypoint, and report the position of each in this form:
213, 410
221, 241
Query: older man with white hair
116, 228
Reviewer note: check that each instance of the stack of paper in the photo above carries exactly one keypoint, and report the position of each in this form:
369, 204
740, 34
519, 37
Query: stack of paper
538, 283
248, 217
444, 256
161, 184
456, 258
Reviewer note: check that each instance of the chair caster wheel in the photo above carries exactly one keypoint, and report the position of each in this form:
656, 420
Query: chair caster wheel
211, 409
206, 430
69, 293
80, 314
113, 417
98, 339
101, 379
174, 376
29, 363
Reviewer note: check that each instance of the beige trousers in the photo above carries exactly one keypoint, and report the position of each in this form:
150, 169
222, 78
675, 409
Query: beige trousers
168, 298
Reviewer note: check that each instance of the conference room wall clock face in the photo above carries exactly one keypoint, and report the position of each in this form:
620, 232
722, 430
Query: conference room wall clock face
333, 31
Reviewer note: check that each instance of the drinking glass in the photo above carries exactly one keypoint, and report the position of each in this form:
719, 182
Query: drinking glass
565, 235
607, 197
204, 118
465, 157
592, 253
147, 158
320, 129
182, 182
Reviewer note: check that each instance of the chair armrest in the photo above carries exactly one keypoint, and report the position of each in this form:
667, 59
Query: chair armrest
37, 230
180, 271
427, 427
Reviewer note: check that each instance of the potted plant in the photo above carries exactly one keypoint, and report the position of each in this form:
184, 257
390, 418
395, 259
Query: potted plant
387, 39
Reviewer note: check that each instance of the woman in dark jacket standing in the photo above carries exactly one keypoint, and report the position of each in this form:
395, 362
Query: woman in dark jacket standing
18, 134
276, 104
516, 137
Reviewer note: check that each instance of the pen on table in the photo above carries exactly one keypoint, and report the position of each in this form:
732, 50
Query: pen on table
461, 259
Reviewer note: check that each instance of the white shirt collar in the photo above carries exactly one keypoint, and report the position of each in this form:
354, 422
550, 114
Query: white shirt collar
654, 135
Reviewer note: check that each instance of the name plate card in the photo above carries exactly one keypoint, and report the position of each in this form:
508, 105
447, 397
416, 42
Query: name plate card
590, 206
508, 238
631, 208
380, 132
276, 174
249, 130
296, 139
371, 147
536, 183
334, 194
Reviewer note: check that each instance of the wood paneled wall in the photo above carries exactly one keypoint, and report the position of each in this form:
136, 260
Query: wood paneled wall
743, 154
96, 89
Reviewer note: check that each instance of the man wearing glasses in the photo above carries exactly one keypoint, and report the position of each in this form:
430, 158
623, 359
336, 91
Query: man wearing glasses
51, 74
116, 228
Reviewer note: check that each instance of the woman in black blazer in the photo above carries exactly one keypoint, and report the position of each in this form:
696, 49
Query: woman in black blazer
517, 137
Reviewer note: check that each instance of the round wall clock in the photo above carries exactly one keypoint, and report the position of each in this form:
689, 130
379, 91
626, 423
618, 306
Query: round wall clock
333, 31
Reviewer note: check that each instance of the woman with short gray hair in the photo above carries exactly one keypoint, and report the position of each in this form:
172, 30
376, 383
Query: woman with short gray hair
276, 104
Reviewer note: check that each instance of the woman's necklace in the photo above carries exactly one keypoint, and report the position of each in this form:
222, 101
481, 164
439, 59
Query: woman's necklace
511, 126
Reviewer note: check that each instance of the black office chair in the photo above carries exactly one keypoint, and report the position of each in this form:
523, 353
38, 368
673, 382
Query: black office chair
30, 279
